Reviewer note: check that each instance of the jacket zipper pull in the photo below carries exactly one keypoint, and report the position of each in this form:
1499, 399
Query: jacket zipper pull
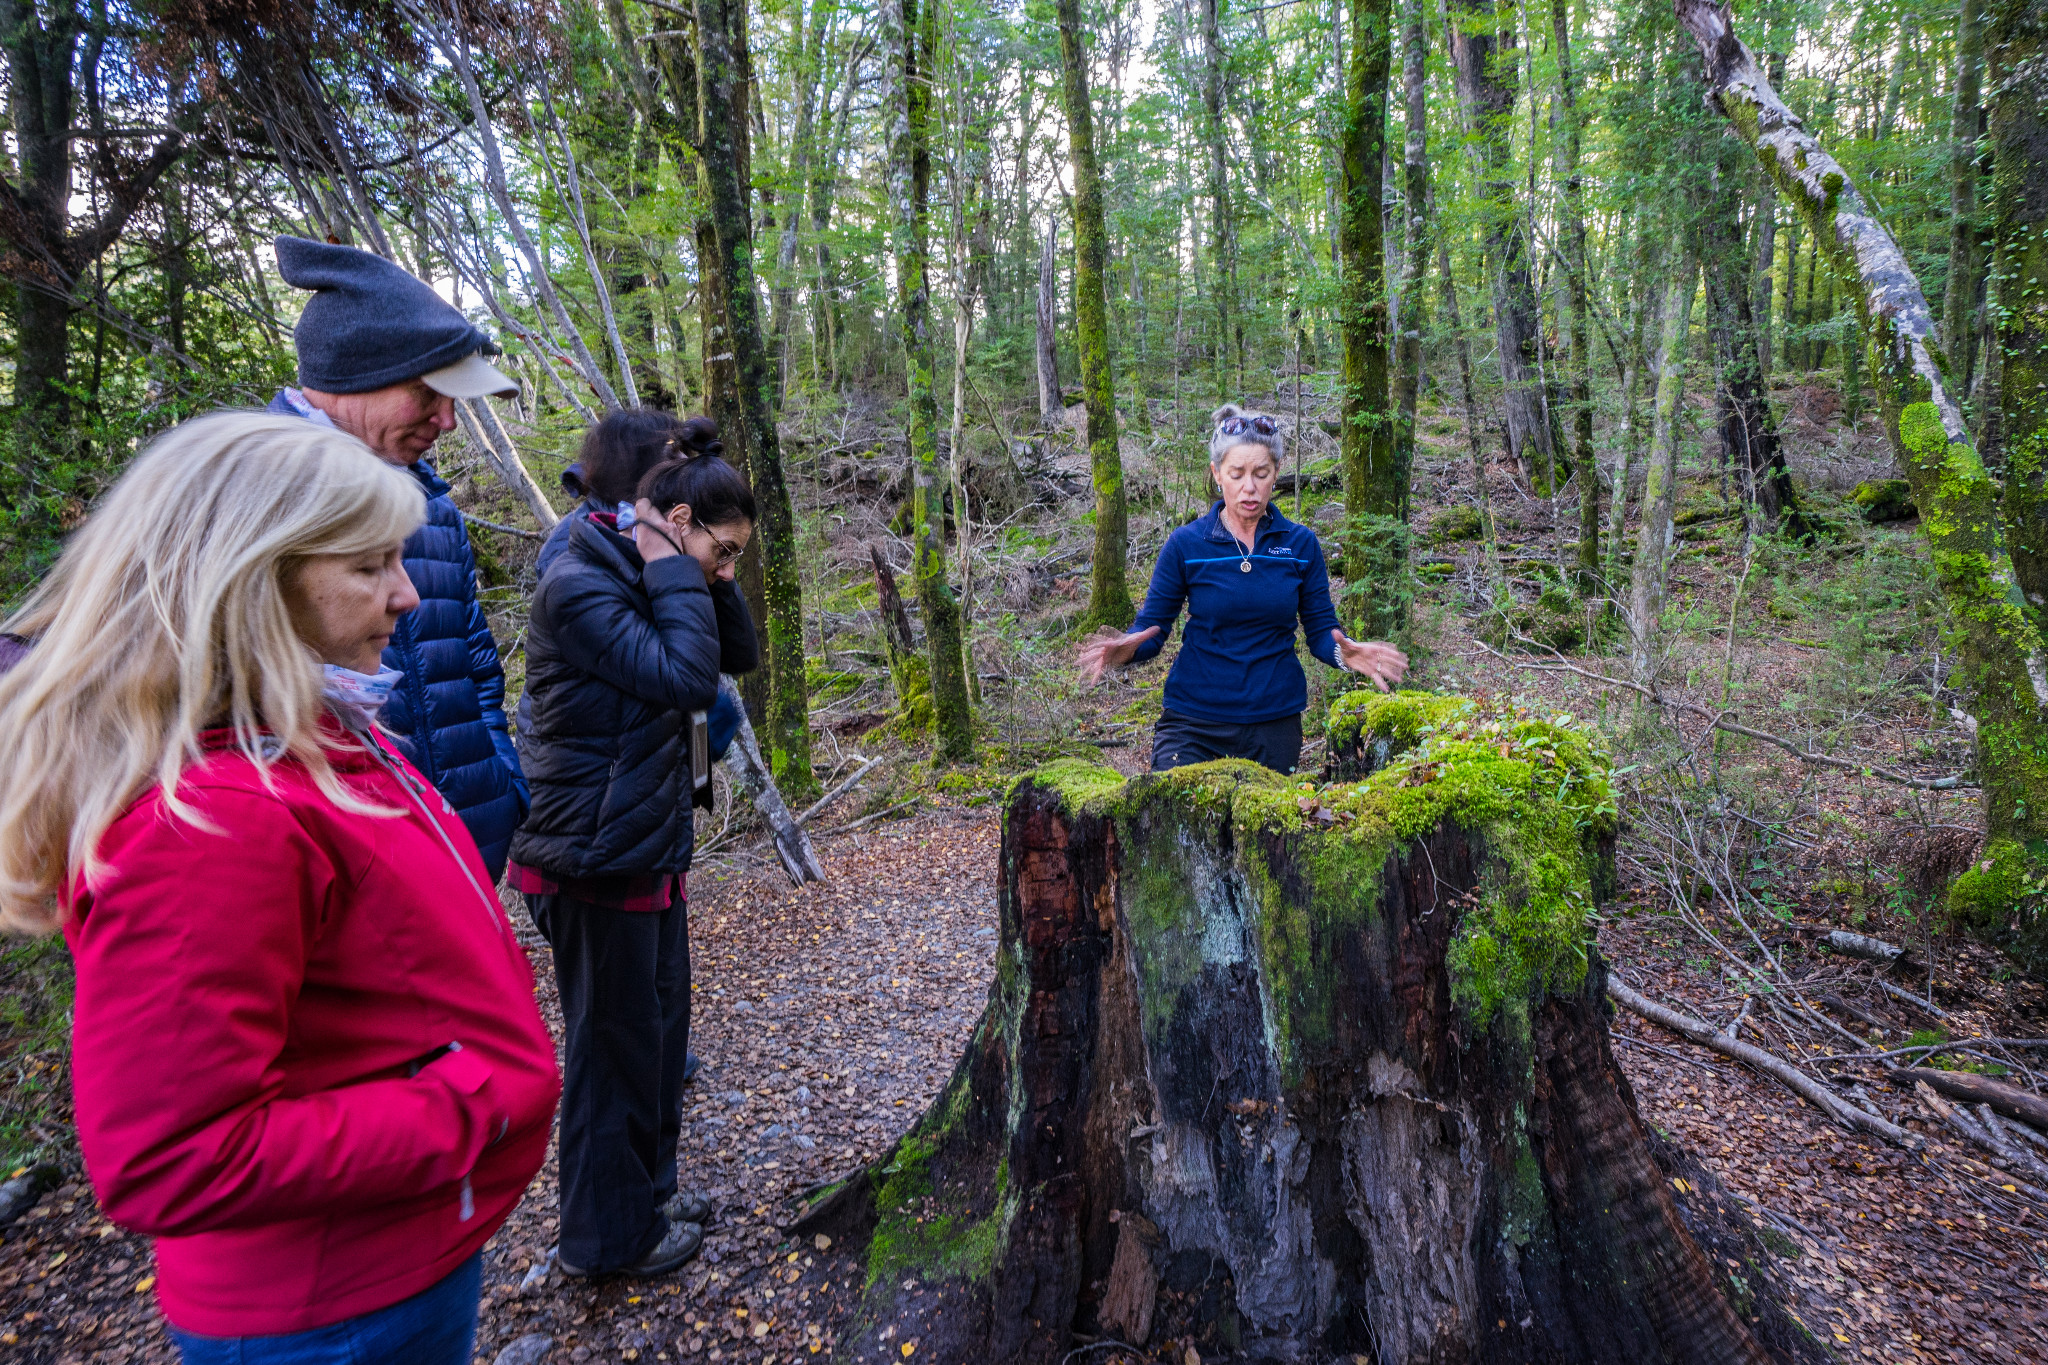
468, 1210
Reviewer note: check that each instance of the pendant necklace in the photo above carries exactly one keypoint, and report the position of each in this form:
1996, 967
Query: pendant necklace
1246, 565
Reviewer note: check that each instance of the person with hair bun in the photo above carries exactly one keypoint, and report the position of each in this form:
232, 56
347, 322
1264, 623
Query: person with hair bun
631, 628
1249, 578
305, 1054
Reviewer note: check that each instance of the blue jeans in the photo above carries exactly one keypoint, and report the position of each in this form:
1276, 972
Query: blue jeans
436, 1326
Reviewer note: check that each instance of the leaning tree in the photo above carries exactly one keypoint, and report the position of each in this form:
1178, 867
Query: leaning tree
1275, 1069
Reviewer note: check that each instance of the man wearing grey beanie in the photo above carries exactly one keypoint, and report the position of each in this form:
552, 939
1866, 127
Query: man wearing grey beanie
384, 358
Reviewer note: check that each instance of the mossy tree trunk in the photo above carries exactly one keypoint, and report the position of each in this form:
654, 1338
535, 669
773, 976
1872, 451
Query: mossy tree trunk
721, 28
1587, 560
2017, 35
909, 34
2002, 672
1415, 229
1109, 593
1298, 1074
1375, 480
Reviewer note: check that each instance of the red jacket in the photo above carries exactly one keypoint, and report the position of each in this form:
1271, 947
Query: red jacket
251, 1000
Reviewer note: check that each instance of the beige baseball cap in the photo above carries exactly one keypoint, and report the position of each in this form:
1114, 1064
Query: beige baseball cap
471, 377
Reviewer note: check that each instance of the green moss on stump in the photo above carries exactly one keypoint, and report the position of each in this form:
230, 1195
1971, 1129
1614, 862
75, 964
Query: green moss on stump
1533, 789
1400, 719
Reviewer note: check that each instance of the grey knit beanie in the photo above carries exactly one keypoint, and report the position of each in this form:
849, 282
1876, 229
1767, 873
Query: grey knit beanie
1235, 426
370, 323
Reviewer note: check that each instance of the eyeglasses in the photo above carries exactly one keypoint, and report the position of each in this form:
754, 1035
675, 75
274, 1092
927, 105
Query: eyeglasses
1238, 426
728, 553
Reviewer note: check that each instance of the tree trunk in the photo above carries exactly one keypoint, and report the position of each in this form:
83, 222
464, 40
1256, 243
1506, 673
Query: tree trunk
1573, 230
826, 321
908, 672
1748, 436
1109, 594
2017, 34
2001, 671
1223, 234
1416, 234
1375, 482
908, 33
1965, 127
1475, 437
1052, 412
1660, 481
1483, 48
720, 29
810, 52
1642, 313
1264, 1072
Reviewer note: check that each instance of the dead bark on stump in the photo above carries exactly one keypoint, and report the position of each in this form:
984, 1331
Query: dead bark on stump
1300, 1074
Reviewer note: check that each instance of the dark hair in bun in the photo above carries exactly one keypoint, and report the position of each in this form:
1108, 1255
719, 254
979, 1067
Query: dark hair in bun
716, 493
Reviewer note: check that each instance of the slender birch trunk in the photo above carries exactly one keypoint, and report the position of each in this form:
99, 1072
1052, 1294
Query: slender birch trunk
1051, 410
2001, 671
1660, 482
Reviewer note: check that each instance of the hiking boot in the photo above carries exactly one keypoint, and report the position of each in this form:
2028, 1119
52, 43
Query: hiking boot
688, 1208
680, 1244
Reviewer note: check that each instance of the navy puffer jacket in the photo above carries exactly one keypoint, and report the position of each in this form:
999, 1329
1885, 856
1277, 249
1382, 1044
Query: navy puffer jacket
619, 653
448, 714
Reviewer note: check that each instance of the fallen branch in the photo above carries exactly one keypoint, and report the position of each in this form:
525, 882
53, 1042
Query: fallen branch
1927, 1007
752, 776
474, 520
1972, 1088
2002, 1131
1863, 946
1793, 1079
842, 789
1720, 721
1962, 1122
870, 819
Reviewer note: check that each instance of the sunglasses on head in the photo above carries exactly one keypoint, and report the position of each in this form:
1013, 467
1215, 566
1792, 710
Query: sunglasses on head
1238, 426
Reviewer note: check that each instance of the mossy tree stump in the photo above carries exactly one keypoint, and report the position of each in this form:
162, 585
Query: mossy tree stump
1300, 1073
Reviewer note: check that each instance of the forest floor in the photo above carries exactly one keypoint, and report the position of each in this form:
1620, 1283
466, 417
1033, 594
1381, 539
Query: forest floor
829, 1016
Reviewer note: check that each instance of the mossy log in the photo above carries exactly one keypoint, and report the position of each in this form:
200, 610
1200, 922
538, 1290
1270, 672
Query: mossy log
1293, 1072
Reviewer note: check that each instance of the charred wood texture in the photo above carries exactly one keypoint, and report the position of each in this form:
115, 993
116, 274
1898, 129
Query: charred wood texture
1295, 1073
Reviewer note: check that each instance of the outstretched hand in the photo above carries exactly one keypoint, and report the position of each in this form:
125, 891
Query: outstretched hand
1375, 659
1110, 648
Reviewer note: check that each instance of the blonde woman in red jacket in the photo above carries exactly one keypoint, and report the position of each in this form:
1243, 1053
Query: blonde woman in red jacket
306, 1055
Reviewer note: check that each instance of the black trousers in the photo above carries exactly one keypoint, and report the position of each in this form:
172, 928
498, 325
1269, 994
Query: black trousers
624, 980
1180, 740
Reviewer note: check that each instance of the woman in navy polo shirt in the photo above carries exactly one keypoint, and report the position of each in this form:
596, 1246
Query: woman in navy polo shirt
1247, 576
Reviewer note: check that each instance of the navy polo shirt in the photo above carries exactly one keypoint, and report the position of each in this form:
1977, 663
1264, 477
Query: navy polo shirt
1237, 663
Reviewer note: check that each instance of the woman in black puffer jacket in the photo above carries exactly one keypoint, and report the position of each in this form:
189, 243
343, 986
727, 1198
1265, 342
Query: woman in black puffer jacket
628, 636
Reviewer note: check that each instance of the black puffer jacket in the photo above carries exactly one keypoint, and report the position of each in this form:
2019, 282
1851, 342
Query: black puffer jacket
618, 654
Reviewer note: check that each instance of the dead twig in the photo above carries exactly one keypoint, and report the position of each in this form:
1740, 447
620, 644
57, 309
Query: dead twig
1721, 721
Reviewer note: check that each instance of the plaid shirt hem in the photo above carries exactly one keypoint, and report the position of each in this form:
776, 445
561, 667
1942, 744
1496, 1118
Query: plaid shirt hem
640, 895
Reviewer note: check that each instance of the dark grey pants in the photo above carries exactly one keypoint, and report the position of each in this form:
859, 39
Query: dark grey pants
1180, 740
624, 980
